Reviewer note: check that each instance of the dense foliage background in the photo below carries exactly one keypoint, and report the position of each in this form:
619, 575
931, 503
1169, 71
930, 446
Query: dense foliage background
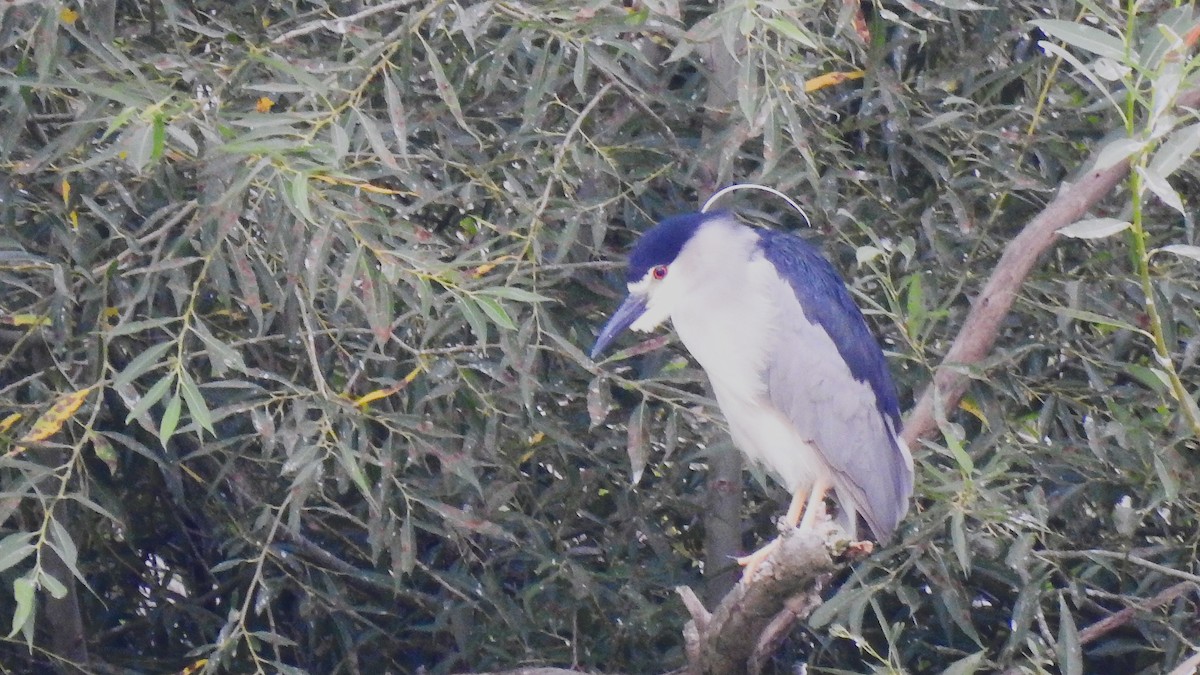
296, 297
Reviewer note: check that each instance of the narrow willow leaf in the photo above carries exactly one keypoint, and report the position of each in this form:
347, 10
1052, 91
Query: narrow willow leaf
513, 293
132, 327
1091, 40
220, 355
967, 665
197, 408
1185, 250
146, 361
156, 394
52, 420
496, 312
475, 318
396, 114
637, 446
1161, 188
1070, 652
14, 548
792, 32
56, 588
170, 419
1117, 152
298, 191
379, 146
1175, 150
22, 589
1095, 228
599, 401
445, 90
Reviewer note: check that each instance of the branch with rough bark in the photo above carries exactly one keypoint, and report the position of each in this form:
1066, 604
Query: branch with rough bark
978, 333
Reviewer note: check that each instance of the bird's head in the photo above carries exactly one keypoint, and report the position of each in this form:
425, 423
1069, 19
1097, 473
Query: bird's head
657, 278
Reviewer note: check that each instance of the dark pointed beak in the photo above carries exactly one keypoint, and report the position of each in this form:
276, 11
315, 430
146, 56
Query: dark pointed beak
629, 311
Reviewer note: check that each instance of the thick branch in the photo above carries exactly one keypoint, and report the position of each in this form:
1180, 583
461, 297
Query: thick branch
788, 581
979, 331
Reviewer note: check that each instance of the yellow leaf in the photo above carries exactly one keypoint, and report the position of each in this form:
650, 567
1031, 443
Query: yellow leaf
65, 186
264, 105
52, 420
194, 668
969, 405
367, 187
363, 400
74, 216
9, 421
537, 438
68, 16
830, 79
28, 320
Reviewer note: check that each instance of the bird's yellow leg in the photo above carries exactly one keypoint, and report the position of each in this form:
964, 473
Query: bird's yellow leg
792, 517
814, 510
790, 520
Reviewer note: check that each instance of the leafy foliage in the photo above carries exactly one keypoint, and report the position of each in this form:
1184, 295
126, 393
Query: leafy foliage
295, 309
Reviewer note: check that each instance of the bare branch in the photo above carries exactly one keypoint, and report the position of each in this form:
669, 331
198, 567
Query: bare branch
1110, 623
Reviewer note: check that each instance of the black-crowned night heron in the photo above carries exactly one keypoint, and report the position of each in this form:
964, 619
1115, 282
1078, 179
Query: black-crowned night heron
801, 381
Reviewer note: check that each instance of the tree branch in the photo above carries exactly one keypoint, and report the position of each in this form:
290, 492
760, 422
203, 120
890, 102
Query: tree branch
978, 333
737, 636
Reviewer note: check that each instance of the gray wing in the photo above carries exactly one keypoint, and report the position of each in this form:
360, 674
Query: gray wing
826, 374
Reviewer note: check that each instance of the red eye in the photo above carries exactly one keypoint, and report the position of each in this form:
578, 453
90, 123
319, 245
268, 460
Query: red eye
659, 272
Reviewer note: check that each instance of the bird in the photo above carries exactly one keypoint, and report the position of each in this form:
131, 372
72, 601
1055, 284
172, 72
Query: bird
800, 379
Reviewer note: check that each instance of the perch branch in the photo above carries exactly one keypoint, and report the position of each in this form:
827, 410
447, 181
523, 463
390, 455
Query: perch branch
978, 333
786, 587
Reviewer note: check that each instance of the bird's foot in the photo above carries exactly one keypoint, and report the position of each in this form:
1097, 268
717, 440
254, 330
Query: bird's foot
751, 562
857, 550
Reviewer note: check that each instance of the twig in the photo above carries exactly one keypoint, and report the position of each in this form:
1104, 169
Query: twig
978, 333
341, 24
1117, 619
1117, 555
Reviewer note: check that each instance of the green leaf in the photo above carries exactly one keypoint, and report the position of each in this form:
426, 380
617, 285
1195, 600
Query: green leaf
197, 408
298, 190
445, 90
23, 594
1176, 150
968, 665
475, 318
1091, 40
156, 394
496, 312
1095, 228
637, 446
132, 327
14, 548
170, 419
513, 293
380, 147
1099, 319
1118, 151
57, 589
1070, 652
220, 355
792, 32
144, 362
1161, 188
1184, 250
